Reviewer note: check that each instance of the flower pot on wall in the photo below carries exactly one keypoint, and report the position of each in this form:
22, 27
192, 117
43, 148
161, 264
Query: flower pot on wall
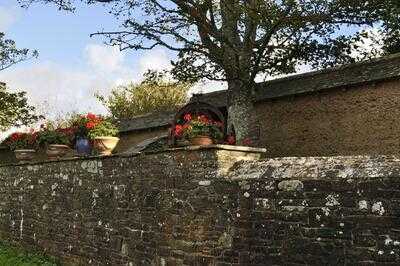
105, 145
201, 141
24, 154
83, 146
56, 151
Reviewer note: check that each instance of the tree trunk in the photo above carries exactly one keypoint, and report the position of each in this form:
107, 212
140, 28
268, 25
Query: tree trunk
241, 117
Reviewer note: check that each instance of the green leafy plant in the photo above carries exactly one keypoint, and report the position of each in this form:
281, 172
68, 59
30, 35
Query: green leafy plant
91, 126
21, 140
62, 136
104, 128
82, 124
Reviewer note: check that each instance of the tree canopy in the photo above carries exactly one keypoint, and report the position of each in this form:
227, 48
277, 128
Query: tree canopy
14, 107
239, 40
154, 94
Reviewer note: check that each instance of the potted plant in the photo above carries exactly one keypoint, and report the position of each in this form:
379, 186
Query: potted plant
56, 141
82, 124
199, 130
103, 133
23, 145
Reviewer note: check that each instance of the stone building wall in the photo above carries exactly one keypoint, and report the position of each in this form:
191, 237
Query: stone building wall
199, 207
352, 120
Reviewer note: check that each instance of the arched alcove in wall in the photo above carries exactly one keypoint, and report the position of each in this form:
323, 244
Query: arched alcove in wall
197, 107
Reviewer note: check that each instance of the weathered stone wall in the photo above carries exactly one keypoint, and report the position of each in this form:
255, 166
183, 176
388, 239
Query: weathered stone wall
199, 208
361, 120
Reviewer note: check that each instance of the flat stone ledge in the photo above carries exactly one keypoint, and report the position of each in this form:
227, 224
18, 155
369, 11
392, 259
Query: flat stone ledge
221, 147
65, 159
254, 154
346, 168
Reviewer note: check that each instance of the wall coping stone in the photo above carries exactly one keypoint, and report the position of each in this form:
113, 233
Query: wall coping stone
221, 147
258, 154
346, 168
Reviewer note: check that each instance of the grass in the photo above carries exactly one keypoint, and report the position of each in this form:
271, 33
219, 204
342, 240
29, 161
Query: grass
10, 256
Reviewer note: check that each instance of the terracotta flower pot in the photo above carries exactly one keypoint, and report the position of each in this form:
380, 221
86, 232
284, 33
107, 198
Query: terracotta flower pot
105, 145
55, 151
24, 154
201, 141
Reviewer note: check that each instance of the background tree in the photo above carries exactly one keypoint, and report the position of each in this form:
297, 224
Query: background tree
10, 54
238, 40
14, 107
154, 94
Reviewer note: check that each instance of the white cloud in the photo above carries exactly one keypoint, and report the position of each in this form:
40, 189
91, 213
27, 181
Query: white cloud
57, 89
104, 58
155, 60
8, 16
207, 86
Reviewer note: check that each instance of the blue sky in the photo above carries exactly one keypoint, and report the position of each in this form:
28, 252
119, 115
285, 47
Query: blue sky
59, 36
71, 66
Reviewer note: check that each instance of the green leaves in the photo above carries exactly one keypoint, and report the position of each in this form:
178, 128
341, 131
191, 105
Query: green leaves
10, 54
15, 110
154, 94
14, 107
103, 129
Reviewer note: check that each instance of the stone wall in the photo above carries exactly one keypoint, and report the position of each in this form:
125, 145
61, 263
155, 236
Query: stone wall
199, 207
361, 120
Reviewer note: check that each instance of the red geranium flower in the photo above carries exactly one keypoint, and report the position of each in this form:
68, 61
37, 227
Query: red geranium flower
187, 117
15, 136
231, 140
247, 141
90, 125
203, 118
178, 130
91, 116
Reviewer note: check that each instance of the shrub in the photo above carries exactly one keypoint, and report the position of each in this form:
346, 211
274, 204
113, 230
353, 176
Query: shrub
154, 94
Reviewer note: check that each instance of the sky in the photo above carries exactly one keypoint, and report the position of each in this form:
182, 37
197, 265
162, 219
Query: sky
72, 66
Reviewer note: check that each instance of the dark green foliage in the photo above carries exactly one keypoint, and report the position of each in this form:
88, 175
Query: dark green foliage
14, 107
15, 110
